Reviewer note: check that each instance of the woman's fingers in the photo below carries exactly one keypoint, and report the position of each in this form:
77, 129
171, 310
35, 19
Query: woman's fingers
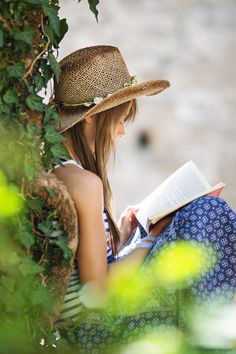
131, 210
127, 222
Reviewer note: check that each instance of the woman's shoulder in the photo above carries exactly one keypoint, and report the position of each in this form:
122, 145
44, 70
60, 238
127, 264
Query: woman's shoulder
78, 180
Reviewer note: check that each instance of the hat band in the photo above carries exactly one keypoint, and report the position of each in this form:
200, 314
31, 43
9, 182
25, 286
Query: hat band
97, 100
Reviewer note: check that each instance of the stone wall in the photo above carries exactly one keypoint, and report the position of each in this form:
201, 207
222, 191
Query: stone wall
193, 45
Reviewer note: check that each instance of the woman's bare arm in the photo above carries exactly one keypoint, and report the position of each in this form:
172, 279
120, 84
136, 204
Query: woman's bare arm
137, 255
86, 191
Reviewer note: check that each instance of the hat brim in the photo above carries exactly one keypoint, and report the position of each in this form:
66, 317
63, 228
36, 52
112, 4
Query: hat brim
73, 115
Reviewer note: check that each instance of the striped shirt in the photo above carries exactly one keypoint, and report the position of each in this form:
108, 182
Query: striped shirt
71, 307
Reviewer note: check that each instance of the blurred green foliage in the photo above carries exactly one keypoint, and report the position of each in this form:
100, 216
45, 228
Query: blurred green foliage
30, 34
23, 298
173, 268
177, 265
206, 328
10, 201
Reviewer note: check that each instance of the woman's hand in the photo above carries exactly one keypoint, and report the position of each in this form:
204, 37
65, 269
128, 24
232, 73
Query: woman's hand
127, 223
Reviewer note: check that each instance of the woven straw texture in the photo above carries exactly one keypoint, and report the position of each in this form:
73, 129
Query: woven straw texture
92, 72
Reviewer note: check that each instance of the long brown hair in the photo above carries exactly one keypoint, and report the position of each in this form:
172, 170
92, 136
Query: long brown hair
75, 141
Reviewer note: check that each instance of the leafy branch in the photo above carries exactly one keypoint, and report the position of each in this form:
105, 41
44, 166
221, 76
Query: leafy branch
29, 72
30, 34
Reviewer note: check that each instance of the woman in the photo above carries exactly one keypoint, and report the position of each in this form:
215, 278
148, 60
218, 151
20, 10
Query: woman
95, 97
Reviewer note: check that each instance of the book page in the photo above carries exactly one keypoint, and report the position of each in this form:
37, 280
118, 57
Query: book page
214, 191
182, 185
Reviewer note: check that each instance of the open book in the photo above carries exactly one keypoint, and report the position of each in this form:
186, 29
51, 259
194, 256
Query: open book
182, 187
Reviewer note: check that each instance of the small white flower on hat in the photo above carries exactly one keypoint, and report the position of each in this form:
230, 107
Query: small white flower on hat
133, 81
97, 100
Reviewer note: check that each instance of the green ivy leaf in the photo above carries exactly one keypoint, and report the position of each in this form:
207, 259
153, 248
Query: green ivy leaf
55, 66
49, 32
53, 18
52, 136
31, 89
45, 229
42, 297
26, 35
31, 128
30, 170
38, 82
10, 96
46, 70
62, 243
55, 39
35, 204
50, 114
27, 239
1, 38
5, 108
51, 192
16, 70
58, 150
35, 103
93, 7
63, 29
29, 267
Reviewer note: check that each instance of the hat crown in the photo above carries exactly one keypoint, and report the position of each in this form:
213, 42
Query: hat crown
91, 72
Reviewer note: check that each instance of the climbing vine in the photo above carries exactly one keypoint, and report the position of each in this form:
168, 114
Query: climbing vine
30, 35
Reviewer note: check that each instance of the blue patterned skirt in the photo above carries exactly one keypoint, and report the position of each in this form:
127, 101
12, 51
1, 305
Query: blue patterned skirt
207, 221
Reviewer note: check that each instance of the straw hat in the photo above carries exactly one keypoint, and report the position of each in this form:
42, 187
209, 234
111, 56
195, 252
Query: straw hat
94, 79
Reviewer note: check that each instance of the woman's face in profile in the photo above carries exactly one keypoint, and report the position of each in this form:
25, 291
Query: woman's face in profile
120, 126
117, 131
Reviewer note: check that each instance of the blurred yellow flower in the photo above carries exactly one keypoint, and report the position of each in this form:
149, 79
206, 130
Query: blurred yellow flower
182, 261
169, 341
128, 290
10, 201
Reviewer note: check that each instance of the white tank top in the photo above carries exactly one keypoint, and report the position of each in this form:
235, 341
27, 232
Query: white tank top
70, 161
